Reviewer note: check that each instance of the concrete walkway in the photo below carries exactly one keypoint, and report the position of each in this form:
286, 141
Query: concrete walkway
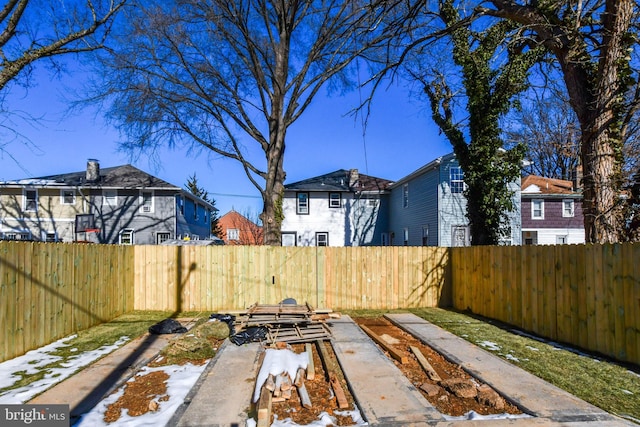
548, 404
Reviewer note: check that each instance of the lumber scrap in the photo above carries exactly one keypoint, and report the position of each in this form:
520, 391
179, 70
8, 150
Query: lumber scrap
396, 354
338, 391
304, 396
264, 408
341, 398
426, 366
311, 370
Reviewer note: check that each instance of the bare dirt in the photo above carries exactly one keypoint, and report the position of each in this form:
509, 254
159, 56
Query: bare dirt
455, 394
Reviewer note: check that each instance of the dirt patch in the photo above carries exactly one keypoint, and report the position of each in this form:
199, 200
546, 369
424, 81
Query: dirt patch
456, 393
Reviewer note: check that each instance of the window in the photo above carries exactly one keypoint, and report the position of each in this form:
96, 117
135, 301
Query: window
302, 206
372, 202
233, 234
459, 236
126, 237
335, 200
537, 209
68, 197
289, 238
162, 237
456, 180
322, 239
567, 208
180, 203
425, 235
405, 237
50, 237
405, 196
146, 201
31, 200
195, 211
109, 198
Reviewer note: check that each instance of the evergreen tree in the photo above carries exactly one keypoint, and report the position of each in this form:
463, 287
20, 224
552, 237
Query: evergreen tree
193, 187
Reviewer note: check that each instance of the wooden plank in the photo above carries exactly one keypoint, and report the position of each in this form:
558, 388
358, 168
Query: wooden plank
431, 373
304, 396
396, 354
264, 408
341, 398
311, 370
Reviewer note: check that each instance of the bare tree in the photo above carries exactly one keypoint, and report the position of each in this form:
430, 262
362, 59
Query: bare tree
549, 130
216, 73
592, 43
35, 31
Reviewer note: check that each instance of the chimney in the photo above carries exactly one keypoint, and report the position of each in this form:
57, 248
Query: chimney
577, 178
353, 177
93, 170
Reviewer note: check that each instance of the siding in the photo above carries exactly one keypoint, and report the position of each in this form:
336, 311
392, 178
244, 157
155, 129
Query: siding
452, 207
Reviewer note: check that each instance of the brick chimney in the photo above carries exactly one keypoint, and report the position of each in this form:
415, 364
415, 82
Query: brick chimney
93, 170
353, 177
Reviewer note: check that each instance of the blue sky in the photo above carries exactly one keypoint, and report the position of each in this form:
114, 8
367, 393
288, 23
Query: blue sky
400, 138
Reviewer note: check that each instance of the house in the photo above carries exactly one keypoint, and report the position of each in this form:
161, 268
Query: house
425, 208
428, 207
341, 208
239, 230
551, 212
119, 204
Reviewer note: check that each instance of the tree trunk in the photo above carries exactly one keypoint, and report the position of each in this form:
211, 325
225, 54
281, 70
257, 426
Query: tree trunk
273, 194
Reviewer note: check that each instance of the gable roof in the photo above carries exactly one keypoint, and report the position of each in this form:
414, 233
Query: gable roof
534, 184
125, 176
341, 180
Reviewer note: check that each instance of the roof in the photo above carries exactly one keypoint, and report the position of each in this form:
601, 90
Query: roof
342, 180
125, 176
434, 164
213, 241
541, 185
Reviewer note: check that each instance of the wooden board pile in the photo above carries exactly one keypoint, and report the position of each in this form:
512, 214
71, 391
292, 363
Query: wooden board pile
290, 323
279, 387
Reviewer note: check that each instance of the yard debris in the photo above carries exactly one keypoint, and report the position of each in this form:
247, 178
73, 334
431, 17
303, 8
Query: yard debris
276, 323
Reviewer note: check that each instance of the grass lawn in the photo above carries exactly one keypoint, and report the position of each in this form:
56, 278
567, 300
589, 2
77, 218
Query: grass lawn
610, 386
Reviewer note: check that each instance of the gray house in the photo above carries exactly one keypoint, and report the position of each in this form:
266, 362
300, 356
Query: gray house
119, 204
428, 207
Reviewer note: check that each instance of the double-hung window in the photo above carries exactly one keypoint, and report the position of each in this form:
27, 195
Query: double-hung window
68, 197
456, 180
31, 200
109, 198
568, 208
127, 236
233, 234
537, 209
335, 200
302, 204
146, 201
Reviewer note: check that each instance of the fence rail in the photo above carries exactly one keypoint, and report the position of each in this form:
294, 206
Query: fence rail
584, 295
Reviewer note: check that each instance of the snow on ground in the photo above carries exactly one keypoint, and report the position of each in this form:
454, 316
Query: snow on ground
35, 361
181, 379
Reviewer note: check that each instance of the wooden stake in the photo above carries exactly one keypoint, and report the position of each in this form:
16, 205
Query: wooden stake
299, 377
428, 369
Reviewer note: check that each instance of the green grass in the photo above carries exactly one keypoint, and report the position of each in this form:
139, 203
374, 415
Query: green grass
608, 385
130, 325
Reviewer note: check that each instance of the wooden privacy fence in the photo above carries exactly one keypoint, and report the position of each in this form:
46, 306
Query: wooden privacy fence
584, 295
218, 278
49, 291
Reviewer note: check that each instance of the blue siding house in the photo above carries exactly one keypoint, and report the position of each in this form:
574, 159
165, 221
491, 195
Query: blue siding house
428, 207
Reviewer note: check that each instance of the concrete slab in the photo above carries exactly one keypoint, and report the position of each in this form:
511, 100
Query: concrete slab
384, 395
222, 395
85, 389
546, 402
